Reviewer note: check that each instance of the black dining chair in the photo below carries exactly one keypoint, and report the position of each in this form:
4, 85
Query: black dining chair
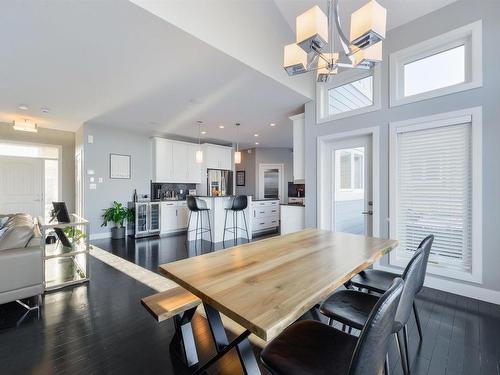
352, 307
238, 204
312, 347
378, 281
198, 207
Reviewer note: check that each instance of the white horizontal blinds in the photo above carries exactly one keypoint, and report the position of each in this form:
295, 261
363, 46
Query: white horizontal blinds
434, 179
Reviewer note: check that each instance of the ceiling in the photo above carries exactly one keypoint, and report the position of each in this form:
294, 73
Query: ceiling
156, 67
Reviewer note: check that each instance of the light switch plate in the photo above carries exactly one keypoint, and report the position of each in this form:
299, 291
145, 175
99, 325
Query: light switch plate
100, 180
91, 179
92, 186
90, 139
90, 172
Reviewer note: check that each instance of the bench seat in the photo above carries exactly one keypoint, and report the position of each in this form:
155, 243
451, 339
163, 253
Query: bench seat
165, 305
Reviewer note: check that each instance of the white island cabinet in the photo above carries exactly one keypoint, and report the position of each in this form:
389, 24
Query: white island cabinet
293, 218
217, 213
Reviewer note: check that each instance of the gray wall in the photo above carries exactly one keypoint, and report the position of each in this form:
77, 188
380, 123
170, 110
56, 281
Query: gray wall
446, 19
52, 137
250, 164
96, 155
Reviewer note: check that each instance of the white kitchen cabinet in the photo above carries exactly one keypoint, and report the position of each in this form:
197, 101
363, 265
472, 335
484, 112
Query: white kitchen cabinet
217, 157
298, 148
180, 161
265, 215
175, 162
168, 217
162, 160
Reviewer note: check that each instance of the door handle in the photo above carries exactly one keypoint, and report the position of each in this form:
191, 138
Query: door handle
370, 212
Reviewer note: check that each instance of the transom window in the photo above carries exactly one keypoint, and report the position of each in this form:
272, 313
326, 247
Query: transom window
351, 96
449, 63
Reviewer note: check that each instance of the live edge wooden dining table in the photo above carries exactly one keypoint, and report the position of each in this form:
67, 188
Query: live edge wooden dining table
266, 285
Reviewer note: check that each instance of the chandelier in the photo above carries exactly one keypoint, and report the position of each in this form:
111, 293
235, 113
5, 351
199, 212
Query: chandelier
313, 50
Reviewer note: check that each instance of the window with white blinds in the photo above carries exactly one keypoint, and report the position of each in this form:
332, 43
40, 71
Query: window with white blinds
433, 193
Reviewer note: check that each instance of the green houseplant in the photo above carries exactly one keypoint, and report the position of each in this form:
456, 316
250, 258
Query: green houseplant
117, 214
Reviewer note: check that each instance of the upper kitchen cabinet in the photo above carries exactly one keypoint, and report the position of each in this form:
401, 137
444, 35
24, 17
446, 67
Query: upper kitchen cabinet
175, 162
162, 160
298, 148
218, 157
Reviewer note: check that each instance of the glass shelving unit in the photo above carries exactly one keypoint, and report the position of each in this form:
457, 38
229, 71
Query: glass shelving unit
66, 265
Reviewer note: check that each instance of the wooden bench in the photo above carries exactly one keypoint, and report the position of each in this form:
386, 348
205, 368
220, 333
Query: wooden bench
179, 304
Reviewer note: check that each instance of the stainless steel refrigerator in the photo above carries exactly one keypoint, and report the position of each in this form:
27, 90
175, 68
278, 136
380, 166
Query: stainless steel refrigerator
219, 182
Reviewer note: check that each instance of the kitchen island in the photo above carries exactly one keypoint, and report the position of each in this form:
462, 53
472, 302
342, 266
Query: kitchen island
217, 206
293, 217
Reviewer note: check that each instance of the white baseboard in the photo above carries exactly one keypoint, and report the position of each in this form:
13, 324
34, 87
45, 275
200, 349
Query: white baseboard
100, 236
455, 287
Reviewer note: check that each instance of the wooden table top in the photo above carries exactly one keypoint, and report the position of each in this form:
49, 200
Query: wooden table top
266, 285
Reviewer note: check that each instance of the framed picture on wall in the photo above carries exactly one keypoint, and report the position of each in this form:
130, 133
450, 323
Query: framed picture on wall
119, 166
240, 178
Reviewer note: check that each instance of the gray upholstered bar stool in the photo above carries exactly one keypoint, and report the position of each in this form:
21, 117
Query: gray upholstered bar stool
198, 207
239, 204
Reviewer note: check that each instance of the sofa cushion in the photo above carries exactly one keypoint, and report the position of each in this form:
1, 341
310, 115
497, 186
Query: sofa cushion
3, 221
20, 230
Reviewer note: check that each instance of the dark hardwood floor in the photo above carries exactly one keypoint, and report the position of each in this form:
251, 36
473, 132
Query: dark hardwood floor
101, 327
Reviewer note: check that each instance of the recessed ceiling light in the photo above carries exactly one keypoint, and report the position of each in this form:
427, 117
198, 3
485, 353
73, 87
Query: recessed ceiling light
272, 124
45, 110
256, 143
203, 132
221, 126
256, 135
23, 107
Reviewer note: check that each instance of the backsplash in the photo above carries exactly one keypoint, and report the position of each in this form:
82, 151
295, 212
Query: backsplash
163, 190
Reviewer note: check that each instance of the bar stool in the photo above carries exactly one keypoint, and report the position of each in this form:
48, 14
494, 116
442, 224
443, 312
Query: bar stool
238, 204
199, 207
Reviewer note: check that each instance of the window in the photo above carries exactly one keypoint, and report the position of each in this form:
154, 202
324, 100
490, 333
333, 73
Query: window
449, 63
351, 96
350, 171
434, 190
351, 93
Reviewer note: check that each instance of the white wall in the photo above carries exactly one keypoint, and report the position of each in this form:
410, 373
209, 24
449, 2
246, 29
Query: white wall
448, 18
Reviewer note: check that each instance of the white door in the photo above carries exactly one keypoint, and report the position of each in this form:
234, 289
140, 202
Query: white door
271, 181
352, 185
79, 184
168, 217
21, 187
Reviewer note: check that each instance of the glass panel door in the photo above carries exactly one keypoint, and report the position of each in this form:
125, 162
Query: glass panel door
352, 186
154, 223
141, 218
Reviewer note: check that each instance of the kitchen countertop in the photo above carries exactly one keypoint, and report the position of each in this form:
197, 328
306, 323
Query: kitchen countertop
264, 200
293, 204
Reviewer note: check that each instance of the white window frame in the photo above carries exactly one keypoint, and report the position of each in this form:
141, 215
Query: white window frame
322, 110
469, 35
444, 119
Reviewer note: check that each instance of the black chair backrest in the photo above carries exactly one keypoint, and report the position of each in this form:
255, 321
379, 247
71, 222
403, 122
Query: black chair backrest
426, 245
240, 202
195, 204
411, 277
373, 342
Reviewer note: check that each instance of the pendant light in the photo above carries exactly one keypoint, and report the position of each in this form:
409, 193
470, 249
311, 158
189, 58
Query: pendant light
237, 153
199, 152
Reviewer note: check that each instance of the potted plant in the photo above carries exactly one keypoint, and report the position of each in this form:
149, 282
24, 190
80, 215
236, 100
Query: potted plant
117, 214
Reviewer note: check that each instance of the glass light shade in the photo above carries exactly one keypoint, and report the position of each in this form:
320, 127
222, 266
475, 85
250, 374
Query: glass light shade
237, 157
312, 28
368, 24
199, 156
323, 74
295, 60
370, 54
25, 126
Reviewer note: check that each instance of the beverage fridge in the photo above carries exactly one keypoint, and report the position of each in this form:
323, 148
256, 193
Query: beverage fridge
146, 219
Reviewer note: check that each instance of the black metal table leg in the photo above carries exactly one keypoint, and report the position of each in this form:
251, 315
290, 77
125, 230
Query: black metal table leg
184, 333
222, 344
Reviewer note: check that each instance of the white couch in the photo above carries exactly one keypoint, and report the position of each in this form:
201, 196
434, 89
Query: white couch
21, 258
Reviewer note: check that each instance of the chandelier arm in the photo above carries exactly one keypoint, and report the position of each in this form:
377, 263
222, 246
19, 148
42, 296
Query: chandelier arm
343, 39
